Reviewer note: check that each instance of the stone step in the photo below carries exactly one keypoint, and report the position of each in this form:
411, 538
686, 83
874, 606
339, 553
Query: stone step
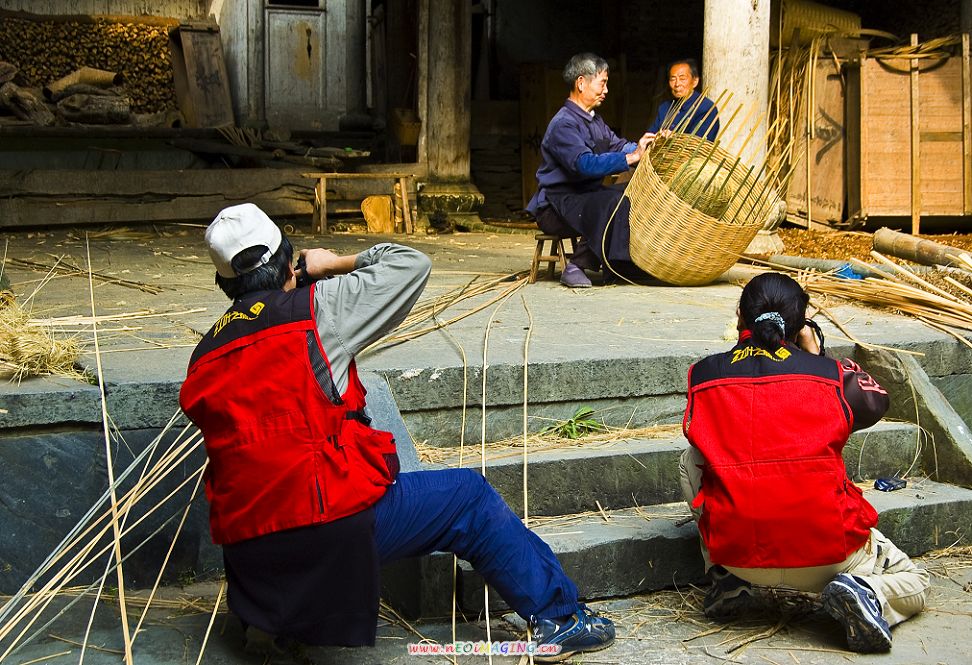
639, 549
639, 472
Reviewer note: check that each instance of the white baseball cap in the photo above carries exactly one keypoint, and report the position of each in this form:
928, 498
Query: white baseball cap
237, 228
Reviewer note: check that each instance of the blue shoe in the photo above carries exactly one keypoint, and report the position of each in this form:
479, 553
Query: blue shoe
574, 277
728, 596
580, 632
854, 604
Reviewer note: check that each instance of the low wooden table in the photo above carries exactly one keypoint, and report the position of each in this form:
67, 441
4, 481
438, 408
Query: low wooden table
320, 195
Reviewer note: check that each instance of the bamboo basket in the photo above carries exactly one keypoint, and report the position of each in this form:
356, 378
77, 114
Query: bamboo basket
678, 240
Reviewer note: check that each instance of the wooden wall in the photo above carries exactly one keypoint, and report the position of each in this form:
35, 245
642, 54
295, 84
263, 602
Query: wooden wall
886, 182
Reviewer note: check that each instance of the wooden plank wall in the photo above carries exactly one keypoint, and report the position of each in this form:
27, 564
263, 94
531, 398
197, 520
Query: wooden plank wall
826, 153
886, 139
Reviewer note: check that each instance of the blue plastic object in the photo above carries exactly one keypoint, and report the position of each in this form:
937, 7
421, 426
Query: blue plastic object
847, 272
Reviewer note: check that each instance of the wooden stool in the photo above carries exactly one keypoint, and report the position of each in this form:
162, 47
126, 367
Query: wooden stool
556, 255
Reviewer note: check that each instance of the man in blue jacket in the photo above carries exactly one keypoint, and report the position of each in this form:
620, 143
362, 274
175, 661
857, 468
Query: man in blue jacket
577, 152
683, 79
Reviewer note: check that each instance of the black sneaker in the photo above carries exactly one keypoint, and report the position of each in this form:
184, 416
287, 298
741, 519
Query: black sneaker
854, 604
580, 632
261, 642
728, 596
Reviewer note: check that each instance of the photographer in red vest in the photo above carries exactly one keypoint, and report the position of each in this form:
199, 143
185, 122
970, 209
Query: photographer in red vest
305, 496
764, 476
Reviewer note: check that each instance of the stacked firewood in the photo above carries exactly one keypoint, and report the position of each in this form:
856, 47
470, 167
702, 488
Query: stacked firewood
41, 52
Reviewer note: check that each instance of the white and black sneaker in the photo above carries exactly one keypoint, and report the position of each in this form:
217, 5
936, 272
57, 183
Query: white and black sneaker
853, 603
728, 597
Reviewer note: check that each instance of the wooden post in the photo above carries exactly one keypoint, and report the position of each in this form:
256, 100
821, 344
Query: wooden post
406, 209
915, 146
422, 83
448, 120
735, 57
320, 198
966, 123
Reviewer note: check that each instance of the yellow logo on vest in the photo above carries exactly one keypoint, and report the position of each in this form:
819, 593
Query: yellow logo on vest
779, 356
231, 316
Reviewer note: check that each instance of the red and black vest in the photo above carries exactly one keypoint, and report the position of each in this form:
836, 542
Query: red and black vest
771, 426
285, 449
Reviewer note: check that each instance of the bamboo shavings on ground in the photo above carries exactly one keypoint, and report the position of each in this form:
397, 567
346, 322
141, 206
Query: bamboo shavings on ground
541, 442
29, 350
71, 270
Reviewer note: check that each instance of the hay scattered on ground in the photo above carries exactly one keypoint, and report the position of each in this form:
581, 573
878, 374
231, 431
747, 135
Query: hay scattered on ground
541, 442
28, 350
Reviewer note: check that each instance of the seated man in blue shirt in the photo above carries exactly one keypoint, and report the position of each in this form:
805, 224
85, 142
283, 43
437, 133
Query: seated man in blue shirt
577, 152
683, 79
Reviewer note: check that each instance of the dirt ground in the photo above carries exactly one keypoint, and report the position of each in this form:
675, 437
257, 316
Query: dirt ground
844, 245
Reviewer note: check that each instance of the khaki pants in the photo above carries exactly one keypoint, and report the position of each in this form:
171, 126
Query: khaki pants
900, 585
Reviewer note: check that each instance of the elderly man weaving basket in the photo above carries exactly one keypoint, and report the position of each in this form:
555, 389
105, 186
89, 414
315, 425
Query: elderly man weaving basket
577, 152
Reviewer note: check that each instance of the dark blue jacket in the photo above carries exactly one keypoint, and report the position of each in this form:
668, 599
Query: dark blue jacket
700, 121
578, 150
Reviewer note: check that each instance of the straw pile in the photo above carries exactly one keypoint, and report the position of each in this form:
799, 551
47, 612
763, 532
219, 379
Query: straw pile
28, 349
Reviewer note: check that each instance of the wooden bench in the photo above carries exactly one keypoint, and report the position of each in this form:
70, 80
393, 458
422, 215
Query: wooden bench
557, 254
320, 195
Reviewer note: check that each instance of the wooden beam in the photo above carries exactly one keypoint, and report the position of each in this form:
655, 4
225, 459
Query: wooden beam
52, 212
232, 183
915, 146
966, 124
862, 136
422, 84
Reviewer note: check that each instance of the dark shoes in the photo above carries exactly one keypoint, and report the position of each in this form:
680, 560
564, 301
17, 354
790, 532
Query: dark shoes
582, 631
728, 595
854, 605
574, 277
261, 642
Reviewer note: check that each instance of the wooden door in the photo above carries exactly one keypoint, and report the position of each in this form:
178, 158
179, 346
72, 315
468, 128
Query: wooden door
305, 75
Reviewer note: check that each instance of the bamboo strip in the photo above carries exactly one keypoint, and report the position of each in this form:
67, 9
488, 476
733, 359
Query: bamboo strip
111, 471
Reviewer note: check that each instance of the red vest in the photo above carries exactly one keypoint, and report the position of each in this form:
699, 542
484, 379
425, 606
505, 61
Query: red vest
771, 426
285, 450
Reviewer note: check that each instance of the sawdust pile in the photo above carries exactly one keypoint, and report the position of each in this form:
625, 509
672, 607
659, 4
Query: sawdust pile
846, 245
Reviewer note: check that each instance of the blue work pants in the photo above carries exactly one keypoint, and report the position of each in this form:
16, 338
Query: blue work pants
456, 510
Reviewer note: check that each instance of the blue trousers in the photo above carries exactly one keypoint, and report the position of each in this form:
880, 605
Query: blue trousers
456, 510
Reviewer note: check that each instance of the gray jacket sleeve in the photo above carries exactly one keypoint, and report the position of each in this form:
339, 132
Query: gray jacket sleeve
359, 308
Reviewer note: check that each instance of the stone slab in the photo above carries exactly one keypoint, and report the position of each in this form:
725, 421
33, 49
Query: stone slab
948, 451
622, 474
635, 550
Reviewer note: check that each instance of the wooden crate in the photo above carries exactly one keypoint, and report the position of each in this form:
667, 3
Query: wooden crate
893, 108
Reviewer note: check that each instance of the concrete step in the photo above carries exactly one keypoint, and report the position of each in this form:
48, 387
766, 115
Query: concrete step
638, 549
639, 472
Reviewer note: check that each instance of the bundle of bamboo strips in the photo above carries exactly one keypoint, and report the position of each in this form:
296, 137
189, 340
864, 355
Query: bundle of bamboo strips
942, 300
93, 541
